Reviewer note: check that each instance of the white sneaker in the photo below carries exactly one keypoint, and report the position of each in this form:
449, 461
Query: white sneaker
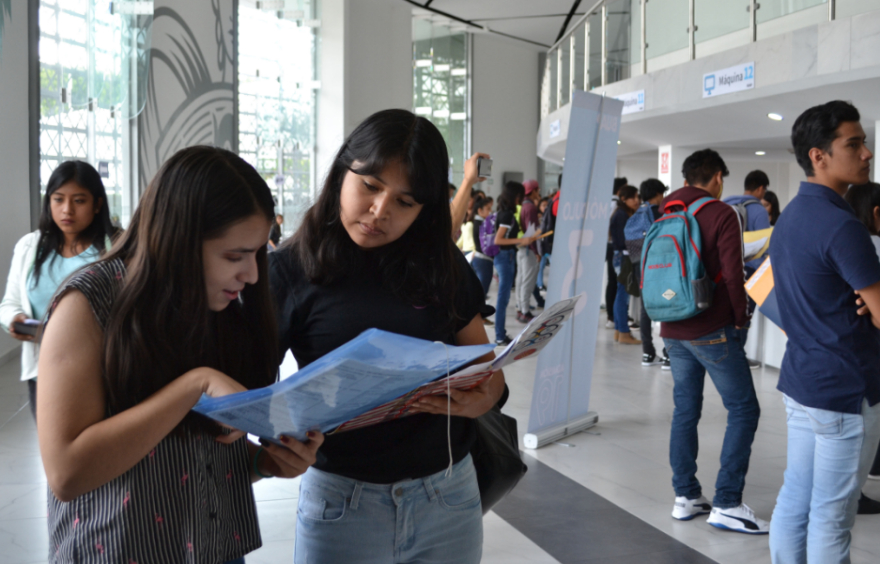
686, 509
740, 519
609, 325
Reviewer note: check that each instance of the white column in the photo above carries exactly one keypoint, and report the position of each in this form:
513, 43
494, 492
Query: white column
669, 161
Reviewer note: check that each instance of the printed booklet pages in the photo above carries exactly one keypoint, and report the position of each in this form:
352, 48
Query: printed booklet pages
375, 377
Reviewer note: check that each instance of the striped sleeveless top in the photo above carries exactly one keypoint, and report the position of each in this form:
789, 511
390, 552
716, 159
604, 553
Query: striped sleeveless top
188, 501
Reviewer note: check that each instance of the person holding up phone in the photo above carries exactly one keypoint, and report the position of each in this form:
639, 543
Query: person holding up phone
75, 230
179, 308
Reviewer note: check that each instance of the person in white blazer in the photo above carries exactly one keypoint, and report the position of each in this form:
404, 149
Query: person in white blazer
75, 229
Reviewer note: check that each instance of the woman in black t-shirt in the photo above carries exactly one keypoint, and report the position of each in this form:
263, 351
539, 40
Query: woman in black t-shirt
374, 251
508, 239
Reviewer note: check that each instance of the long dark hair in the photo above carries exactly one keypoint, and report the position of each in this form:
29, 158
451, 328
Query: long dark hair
160, 325
771, 198
420, 266
625, 193
511, 196
51, 240
863, 200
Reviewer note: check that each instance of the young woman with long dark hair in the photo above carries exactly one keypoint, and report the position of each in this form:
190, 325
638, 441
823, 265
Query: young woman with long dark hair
74, 231
179, 308
374, 251
507, 231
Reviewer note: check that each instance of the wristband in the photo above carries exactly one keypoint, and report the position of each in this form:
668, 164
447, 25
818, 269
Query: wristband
256, 466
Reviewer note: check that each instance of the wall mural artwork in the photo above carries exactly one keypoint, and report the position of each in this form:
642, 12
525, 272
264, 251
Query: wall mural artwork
5, 15
190, 96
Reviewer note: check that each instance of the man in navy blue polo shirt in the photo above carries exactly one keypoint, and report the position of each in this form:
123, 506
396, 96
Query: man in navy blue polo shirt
830, 379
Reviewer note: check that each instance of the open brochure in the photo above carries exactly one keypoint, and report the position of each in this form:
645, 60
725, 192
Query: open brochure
375, 377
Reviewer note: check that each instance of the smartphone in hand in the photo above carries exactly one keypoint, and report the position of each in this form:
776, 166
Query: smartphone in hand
28, 327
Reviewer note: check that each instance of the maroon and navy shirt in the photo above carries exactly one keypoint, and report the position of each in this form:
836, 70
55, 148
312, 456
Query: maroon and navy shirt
722, 254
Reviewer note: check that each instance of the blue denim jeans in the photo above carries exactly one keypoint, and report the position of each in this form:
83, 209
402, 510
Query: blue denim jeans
621, 309
433, 519
545, 260
829, 455
483, 268
504, 262
721, 354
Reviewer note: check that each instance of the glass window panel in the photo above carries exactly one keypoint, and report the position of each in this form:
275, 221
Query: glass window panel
618, 40
667, 24
635, 50
565, 73
847, 8
714, 19
553, 61
579, 41
595, 53
277, 96
772, 9
440, 87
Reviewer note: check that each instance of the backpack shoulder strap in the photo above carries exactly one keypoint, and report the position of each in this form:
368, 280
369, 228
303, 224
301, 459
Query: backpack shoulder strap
697, 205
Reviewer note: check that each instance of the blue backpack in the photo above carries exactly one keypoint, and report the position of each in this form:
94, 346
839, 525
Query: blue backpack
487, 236
675, 285
636, 230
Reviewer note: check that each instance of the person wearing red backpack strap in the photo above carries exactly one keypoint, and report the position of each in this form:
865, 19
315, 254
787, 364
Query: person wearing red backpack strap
711, 341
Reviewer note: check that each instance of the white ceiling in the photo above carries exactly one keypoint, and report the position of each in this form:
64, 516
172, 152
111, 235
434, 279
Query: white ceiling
537, 21
742, 127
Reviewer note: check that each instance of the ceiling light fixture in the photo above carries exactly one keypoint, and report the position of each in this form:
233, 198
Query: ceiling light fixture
775, 116
618, 141
441, 68
760, 153
459, 72
422, 63
423, 111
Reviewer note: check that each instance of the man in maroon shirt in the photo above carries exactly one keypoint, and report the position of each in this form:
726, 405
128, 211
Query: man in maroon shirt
713, 341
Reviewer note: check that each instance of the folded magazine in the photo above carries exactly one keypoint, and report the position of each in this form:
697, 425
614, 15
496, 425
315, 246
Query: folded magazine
375, 377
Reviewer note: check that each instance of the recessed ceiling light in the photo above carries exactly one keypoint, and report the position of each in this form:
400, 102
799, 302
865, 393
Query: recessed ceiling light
775, 116
422, 63
618, 141
760, 153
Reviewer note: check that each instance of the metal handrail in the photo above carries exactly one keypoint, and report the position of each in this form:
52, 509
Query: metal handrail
576, 24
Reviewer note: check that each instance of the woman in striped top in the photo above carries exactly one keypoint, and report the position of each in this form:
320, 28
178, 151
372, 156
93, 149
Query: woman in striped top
179, 308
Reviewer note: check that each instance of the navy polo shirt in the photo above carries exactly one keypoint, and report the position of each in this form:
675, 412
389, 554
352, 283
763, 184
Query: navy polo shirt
821, 253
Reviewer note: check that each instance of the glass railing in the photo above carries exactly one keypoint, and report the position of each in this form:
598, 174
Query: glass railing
619, 39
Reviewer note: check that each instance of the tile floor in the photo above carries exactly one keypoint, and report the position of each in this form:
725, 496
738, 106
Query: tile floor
623, 459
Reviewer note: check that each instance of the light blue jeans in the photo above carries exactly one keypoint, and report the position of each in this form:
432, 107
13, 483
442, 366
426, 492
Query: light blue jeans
829, 455
433, 519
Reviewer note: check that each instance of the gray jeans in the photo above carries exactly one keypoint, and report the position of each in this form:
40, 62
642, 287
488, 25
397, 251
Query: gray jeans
526, 277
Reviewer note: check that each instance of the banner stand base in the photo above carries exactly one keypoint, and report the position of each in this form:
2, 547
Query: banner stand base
551, 434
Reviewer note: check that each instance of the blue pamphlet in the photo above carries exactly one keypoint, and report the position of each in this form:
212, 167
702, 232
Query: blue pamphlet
368, 371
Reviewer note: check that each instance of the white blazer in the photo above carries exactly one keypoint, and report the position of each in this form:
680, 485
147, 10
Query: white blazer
15, 300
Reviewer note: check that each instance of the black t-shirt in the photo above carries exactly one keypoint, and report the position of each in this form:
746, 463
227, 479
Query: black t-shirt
507, 219
314, 320
477, 223
275, 234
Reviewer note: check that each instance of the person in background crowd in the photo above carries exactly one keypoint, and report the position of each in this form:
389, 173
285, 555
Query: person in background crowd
711, 342
482, 264
275, 232
865, 201
628, 197
178, 309
374, 252
753, 217
822, 257
75, 230
527, 256
507, 238
771, 204
545, 243
463, 199
611, 288
651, 193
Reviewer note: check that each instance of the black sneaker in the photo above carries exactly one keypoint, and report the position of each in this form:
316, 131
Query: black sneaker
753, 364
503, 342
651, 360
666, 364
